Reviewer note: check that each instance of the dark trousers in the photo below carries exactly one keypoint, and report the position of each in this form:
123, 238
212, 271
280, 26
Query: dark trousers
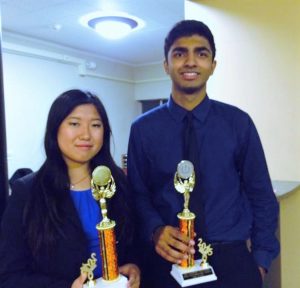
232, 262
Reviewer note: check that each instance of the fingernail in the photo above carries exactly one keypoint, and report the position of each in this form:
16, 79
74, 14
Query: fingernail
192, 242
192, 251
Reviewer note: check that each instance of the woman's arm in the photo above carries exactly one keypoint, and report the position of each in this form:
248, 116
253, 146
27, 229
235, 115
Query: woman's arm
16, 261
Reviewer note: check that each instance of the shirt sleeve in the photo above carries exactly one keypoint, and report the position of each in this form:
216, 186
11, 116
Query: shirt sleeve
258, 187
15, 257
138, 168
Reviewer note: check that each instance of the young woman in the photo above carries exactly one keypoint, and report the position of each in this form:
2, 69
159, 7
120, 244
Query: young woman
48, 229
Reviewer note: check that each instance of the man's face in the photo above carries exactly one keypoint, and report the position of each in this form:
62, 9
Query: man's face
190, 64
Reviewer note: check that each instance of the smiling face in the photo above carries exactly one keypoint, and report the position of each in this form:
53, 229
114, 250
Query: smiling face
190, 64
80, 135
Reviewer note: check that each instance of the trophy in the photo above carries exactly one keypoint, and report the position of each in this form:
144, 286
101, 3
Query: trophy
103, 186
190, 271
88, 268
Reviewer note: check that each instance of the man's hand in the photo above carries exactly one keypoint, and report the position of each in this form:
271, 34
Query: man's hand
133, 274
262, 272
172, 245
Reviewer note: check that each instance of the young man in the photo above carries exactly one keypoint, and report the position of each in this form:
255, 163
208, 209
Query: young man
233, 198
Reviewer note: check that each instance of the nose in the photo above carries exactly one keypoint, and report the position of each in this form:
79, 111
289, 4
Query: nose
85, 132
190, 59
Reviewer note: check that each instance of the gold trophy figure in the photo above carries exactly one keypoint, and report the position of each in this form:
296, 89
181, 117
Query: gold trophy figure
205, 250
190, 271
104, 187
88, 268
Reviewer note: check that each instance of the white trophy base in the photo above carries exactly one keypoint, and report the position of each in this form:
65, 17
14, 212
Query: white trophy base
193, 275
120, 282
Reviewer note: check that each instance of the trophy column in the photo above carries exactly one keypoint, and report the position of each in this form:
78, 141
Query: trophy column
186, 226
104, 187
108, 250
190, 272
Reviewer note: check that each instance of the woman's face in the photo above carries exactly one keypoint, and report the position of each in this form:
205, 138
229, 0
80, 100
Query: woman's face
80, 135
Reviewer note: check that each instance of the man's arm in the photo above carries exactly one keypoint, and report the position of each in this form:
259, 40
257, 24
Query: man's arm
16, 259
258, 187
138, 166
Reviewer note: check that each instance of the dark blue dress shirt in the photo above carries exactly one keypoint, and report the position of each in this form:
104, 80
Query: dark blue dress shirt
239, 202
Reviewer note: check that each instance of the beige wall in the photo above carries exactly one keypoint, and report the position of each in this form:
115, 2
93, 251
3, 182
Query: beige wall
258, 54
151, 82
290, 239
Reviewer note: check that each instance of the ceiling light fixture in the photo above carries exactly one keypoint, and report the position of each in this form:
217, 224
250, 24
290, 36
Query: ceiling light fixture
112, 26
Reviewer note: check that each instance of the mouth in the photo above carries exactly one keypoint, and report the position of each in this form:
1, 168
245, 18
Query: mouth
190, 75
84, 146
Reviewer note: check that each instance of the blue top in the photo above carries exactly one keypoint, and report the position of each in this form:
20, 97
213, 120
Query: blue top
239, 202
90, 215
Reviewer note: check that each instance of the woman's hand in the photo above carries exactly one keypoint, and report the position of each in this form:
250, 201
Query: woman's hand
78, 283
133, 274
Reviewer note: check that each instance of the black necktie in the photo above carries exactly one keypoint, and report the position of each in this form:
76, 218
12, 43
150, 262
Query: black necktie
191, 152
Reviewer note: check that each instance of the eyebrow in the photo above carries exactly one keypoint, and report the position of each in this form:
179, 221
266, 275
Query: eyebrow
79, 118
197, 49
203, 48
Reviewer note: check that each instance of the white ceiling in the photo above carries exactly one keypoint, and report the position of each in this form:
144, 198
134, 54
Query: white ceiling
36, 18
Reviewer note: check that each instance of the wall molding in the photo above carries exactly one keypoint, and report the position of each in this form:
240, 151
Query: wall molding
81, 63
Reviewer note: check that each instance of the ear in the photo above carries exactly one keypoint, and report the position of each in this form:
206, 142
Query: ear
213, 67
166, 66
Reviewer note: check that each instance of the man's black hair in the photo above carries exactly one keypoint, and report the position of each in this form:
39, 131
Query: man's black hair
186, 28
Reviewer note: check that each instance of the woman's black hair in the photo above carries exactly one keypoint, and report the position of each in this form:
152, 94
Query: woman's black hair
44, 213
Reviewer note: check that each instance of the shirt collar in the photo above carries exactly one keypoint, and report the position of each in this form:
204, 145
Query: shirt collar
200, 112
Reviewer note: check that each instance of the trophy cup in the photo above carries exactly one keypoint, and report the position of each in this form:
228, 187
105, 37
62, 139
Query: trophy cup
103, 186
190, 271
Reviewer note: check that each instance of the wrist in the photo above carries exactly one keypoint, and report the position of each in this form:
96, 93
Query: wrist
155, 233
263, 272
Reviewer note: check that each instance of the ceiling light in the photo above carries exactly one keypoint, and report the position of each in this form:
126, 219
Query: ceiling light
57, 27
112, 26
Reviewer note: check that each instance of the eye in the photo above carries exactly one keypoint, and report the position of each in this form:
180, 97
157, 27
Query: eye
203, 54
178, 54
97, 125
73, 123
